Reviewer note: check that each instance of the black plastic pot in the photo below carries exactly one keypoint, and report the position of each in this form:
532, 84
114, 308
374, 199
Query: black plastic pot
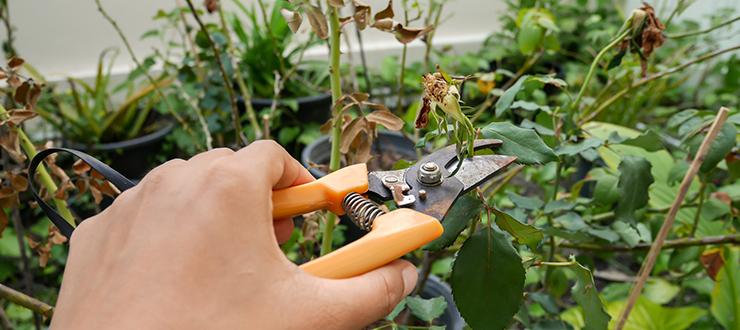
434, 287
314, 108
134, 157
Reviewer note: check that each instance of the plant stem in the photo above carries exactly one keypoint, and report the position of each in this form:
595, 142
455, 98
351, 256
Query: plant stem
240, 140
652, 256
22, 299
555, 264
139, 66
670, 244
707, 30
336, 130
646, 80
592, 69
399, 101
246, 95
25, 262
697, 216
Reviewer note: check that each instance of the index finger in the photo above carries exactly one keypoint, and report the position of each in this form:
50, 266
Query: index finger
279, 167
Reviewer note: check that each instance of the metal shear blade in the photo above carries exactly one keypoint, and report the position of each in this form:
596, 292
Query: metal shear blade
427, 185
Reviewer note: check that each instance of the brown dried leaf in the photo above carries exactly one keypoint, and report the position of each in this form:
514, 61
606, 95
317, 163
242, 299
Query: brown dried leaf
385, 13
33, 97
17, 116
14, 81
385, 118
712, 260
97, 195
80, 167
44, 252
55, 236
336, 3
422, 116
211, 6
3, 74
3, 221
326, 127
21, 93
108, 189
15, 62
61, 192
349, 134
318, 21
293, 18
96, 175
376, 106
362, 147
360, 97
9, 141
32, 243
385, 24
409, 34
57, 171
82, 185
18, 181
362, 12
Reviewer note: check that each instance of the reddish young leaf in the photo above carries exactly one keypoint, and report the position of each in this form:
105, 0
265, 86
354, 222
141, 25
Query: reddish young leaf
712, 260
15, 62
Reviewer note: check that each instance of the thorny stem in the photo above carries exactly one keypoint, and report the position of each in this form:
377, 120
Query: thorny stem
594, 64
139, 66
336, 130
707, 30
646, 80
246, 95
240, 140
22, 299
733, 239
697, 216
652, 256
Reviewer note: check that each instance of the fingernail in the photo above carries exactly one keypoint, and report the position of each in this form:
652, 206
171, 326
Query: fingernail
409, 279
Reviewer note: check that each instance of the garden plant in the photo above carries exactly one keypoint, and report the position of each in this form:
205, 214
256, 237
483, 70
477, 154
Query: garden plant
621, 211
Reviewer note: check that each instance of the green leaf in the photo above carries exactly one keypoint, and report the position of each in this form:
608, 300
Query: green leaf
396, 310
628, 233
465, 209
571, 221
660, 291
647, 315
529, 37
649, 141
522, 232
605, 189
523, 143
572, 149
527, 203
487, 280
585, 294
426, 309
558, 205
722, 145
726, 293
677, 172
634, 181
504, 102
603, 233
545, 300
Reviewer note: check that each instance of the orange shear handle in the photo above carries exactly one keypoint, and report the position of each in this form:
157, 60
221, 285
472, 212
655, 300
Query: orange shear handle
393, 235
323, 194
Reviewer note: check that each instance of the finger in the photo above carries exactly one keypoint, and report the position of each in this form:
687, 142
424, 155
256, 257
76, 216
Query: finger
283, 229
364, 299
280, 168
210, 156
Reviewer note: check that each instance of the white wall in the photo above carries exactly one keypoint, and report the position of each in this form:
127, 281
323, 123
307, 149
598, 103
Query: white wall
64, 37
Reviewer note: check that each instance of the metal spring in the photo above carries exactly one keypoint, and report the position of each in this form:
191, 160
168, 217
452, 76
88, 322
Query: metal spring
361, 210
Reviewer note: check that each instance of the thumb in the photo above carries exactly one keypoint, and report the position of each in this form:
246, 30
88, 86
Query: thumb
364, 299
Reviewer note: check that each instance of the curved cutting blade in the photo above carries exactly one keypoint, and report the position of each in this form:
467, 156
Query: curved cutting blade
478, 169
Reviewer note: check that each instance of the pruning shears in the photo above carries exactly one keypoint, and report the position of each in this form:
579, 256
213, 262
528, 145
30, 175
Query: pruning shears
421, 194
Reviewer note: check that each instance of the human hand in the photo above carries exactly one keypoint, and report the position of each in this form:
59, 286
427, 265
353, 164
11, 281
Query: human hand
194, 246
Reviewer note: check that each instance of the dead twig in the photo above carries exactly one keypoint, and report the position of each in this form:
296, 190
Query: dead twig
671, 244
22, 299
652, 256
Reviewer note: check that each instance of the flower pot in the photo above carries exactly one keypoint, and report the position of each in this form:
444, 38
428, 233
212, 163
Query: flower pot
434, 287
319, 152
133, 158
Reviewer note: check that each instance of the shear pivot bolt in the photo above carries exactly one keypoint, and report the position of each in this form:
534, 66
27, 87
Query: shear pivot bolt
390, 179
430, 174
423, 194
